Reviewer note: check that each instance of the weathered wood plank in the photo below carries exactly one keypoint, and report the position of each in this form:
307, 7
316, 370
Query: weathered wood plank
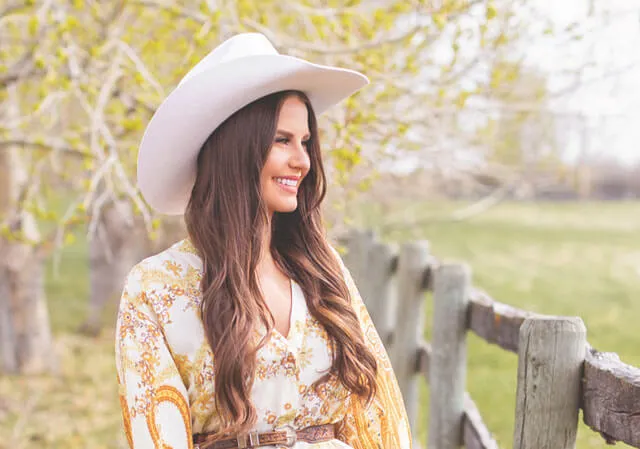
611, 397
412, 263
358, 244
475, 433
447, 373
381, 302
423, 359
550, 358
495, 322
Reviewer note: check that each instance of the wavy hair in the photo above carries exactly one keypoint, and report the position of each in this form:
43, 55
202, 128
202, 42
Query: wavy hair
226, 218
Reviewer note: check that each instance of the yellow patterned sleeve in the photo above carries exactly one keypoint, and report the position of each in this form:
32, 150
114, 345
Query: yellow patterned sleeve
383, 424
153, 397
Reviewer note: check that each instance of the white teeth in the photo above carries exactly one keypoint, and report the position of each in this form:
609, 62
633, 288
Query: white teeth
287, 182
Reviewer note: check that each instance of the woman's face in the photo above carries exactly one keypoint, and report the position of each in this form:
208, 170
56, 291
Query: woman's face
287, 161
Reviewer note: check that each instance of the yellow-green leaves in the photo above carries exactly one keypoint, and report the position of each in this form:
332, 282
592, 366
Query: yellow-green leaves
69, 238
492, 11
32, 25
345, 159
439, 20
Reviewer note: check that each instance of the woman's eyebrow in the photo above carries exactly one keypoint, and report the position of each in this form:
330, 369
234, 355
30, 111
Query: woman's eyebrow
291, 135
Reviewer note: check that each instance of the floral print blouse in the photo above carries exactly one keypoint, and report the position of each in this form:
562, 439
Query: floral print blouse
166, 376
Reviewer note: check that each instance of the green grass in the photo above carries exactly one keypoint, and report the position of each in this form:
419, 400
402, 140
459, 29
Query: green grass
77, 407
579, 259
561, 259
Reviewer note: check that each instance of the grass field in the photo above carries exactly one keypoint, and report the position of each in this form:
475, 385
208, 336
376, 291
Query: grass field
564, 259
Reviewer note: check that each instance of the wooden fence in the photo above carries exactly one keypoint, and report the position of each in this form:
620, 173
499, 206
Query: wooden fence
558, 372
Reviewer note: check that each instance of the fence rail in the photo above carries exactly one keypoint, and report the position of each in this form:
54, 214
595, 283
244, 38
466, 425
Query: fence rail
611, 397
558, 371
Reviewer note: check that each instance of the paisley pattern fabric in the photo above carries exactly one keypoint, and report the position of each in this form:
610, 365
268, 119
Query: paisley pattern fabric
166, 376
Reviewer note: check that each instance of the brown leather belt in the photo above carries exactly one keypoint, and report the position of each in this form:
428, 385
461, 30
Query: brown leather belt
285, 436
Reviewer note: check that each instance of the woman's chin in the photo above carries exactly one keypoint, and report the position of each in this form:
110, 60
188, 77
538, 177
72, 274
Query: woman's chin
286, 207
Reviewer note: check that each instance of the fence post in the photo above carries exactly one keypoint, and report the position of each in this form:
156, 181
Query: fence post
448, 361
382, 299
358, 247
412, 264
551, 353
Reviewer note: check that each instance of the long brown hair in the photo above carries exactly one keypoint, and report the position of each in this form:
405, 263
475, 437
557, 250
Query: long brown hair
225, 220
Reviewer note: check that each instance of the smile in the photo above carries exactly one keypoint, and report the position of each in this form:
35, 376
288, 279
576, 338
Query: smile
287, 184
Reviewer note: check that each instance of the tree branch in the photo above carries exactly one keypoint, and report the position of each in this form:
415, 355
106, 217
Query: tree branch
326, 50
172, 8
46, 146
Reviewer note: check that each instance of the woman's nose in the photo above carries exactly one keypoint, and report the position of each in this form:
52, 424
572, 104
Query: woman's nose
301, 158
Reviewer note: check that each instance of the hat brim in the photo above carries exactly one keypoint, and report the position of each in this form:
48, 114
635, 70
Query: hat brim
192, 111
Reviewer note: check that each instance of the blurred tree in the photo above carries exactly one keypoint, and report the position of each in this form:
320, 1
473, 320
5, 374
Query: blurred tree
519, 137
80, 79
25, 337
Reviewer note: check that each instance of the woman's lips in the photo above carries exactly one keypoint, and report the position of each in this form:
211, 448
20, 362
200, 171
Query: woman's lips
285, 187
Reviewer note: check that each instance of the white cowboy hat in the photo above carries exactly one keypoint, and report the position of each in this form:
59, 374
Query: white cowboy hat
242, 69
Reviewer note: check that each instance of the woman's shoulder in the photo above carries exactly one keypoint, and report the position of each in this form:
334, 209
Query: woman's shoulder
160, 269
336, 250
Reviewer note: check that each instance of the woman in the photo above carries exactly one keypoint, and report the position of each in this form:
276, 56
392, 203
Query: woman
250, 332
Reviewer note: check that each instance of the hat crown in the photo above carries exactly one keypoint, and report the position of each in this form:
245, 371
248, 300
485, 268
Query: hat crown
238, 46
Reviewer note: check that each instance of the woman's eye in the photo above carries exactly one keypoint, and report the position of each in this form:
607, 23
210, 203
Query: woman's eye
286, 141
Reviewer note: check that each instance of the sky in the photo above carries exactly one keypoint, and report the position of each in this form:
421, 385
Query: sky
609, 99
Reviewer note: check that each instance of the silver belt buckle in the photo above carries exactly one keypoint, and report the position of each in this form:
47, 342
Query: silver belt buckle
291, 435
253, 437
